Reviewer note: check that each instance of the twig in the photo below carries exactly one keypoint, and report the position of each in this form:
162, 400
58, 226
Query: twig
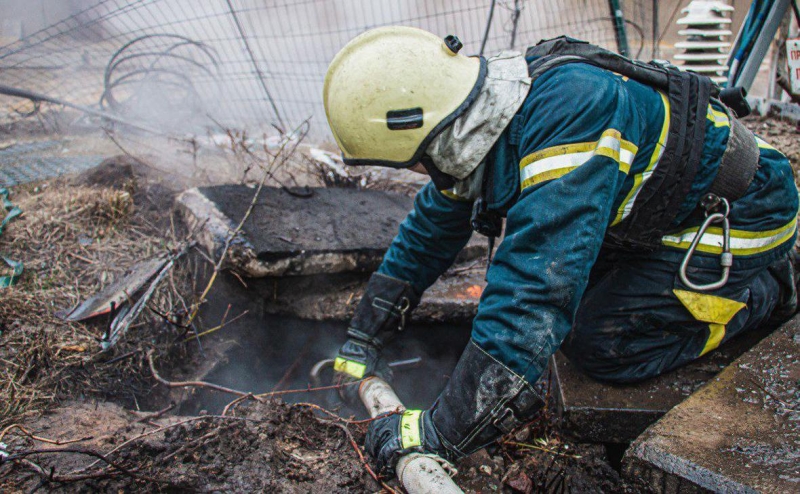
339, 418
80, 258
235, 402
46, 477
217, 387
215, 328
144, 417
39, 438
88, 452
369, 469
188, 384
786, 405
122, 357
232, 235
156, 431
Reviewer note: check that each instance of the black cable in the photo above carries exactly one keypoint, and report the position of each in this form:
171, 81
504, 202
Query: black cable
488, 25
639, 30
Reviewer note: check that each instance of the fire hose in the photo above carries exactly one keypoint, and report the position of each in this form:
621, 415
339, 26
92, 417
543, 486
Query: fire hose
419, 473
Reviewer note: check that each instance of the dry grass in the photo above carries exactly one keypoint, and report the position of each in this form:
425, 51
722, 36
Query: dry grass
73, 241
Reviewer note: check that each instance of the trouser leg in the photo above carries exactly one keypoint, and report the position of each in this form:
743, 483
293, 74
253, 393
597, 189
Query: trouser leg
637, 320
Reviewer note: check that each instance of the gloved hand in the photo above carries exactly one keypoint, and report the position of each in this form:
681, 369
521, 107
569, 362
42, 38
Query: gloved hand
380, 315
356, 360
482, 401
394, 435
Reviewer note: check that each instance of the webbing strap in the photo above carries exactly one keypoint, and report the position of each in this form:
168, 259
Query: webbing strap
738, 164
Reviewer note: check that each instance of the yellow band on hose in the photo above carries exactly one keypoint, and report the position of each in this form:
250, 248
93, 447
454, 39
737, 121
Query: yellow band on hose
349, 367
409, 429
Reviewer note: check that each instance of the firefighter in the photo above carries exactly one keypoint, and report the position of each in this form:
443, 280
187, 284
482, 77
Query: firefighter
644, 225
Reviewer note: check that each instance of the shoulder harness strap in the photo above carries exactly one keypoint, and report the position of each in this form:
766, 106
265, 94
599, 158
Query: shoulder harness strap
689, 94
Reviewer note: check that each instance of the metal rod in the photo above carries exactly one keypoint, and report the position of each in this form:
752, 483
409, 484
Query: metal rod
744, 74
619, 27
255, 65
37, 97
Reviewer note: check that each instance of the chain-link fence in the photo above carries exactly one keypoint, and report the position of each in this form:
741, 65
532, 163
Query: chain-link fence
184, 66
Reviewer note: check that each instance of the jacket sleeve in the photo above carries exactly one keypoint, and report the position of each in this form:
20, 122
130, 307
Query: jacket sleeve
578, 141
429, 239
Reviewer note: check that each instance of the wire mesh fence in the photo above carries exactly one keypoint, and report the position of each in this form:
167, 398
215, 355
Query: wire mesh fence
187, 67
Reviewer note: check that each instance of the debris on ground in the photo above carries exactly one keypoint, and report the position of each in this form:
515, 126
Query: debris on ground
74, 240
263, 447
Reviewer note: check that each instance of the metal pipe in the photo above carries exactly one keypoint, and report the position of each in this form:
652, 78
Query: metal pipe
37, 97
743, 74
618, 18
419, 474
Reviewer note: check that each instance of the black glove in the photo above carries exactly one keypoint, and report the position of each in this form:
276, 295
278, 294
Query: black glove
356, 360
380, 315
394, 435
482, 401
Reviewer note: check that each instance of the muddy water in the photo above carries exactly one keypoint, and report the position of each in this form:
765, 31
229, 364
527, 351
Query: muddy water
279, 354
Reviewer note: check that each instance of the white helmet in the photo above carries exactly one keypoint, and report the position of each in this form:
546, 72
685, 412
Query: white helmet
391, 90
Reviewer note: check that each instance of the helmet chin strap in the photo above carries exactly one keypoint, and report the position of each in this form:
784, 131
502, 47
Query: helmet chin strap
441, 180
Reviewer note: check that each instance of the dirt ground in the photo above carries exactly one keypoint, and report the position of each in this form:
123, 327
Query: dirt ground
783, 135
267, 447
74, 420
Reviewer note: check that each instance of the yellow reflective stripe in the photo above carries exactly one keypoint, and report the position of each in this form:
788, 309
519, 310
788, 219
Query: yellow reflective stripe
556, 161
349, 367
709, 308
564, 149
409, 429
715, 336
716, 311
639, 179
719, 118
764, 144
451, 194
742, 242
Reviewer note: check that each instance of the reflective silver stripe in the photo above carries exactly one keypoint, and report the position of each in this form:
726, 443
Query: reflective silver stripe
742, 242
556, 161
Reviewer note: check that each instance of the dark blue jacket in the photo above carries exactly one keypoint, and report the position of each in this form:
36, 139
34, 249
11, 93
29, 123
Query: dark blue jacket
567, 168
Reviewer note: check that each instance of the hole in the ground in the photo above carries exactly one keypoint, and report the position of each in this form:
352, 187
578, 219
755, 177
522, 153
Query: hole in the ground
615, 452
280, 354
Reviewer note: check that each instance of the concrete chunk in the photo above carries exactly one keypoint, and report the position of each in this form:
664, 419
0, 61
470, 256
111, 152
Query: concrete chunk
334, 230
739, 433
452, 299
613, 413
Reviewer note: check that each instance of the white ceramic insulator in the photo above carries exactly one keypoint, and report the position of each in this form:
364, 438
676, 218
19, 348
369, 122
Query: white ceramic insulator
706, 47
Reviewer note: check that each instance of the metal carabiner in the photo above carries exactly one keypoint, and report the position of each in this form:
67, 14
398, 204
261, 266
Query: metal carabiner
726, 258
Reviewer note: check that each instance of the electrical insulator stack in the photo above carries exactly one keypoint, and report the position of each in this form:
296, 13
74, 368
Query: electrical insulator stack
706, 26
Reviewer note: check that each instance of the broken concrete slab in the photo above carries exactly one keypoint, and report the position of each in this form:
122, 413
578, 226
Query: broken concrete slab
332, 230
739, 433
615, 413
453, 298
